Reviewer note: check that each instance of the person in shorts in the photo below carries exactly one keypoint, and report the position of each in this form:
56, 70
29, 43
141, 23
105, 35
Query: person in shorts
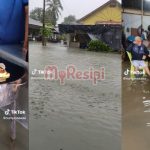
139, 53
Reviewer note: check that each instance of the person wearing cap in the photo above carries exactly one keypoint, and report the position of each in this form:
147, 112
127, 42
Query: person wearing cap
14, 23
139, 53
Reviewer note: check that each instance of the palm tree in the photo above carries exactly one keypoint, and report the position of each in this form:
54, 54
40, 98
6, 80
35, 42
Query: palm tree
54, 8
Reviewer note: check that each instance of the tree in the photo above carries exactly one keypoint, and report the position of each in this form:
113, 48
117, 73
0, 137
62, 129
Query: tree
47, 31
37, 14
54, 10
69, 20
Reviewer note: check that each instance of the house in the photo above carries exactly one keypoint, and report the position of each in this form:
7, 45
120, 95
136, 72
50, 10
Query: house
34, 28
109, 13
104, 23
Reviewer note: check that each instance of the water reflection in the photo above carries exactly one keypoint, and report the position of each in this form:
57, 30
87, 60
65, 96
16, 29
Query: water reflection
76, 115
136, 106
21, 142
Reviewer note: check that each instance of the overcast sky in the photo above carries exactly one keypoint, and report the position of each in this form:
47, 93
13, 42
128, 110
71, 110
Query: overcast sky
79, 8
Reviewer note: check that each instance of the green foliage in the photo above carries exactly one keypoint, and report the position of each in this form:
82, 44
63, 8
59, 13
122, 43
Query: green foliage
63, 37
54, 8
47, 31
37, 14
52, 12
97, 45
70, 19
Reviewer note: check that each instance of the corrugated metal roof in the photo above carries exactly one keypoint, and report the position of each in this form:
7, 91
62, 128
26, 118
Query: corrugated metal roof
35, 22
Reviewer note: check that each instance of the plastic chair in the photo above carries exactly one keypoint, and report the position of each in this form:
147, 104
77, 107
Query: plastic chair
132, 75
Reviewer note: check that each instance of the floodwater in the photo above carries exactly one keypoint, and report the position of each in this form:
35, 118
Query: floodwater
76, 115
22, 139
21, 142
136, 113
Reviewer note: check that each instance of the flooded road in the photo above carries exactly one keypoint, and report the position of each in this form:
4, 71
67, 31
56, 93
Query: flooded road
77, 115
136, 114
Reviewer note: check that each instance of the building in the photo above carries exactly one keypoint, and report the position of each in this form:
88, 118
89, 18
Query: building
109, 13
134, 15
34, 28
104, 23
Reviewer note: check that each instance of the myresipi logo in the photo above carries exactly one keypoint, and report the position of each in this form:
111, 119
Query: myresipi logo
52, 72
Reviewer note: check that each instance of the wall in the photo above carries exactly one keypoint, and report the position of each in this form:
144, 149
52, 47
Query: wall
134, 21
104, 15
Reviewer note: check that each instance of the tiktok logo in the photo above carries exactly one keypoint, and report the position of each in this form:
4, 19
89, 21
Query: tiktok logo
7, 112
127, 72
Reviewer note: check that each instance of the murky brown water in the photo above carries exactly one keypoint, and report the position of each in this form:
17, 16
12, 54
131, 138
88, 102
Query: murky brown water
77, 115
21, 142
136, 114
22, 139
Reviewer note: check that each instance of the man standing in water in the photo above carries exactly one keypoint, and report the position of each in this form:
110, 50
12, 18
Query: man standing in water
14, 23
139, 53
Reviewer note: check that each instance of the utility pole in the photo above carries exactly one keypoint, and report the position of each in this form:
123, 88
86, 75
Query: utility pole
142, 14
43, 36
